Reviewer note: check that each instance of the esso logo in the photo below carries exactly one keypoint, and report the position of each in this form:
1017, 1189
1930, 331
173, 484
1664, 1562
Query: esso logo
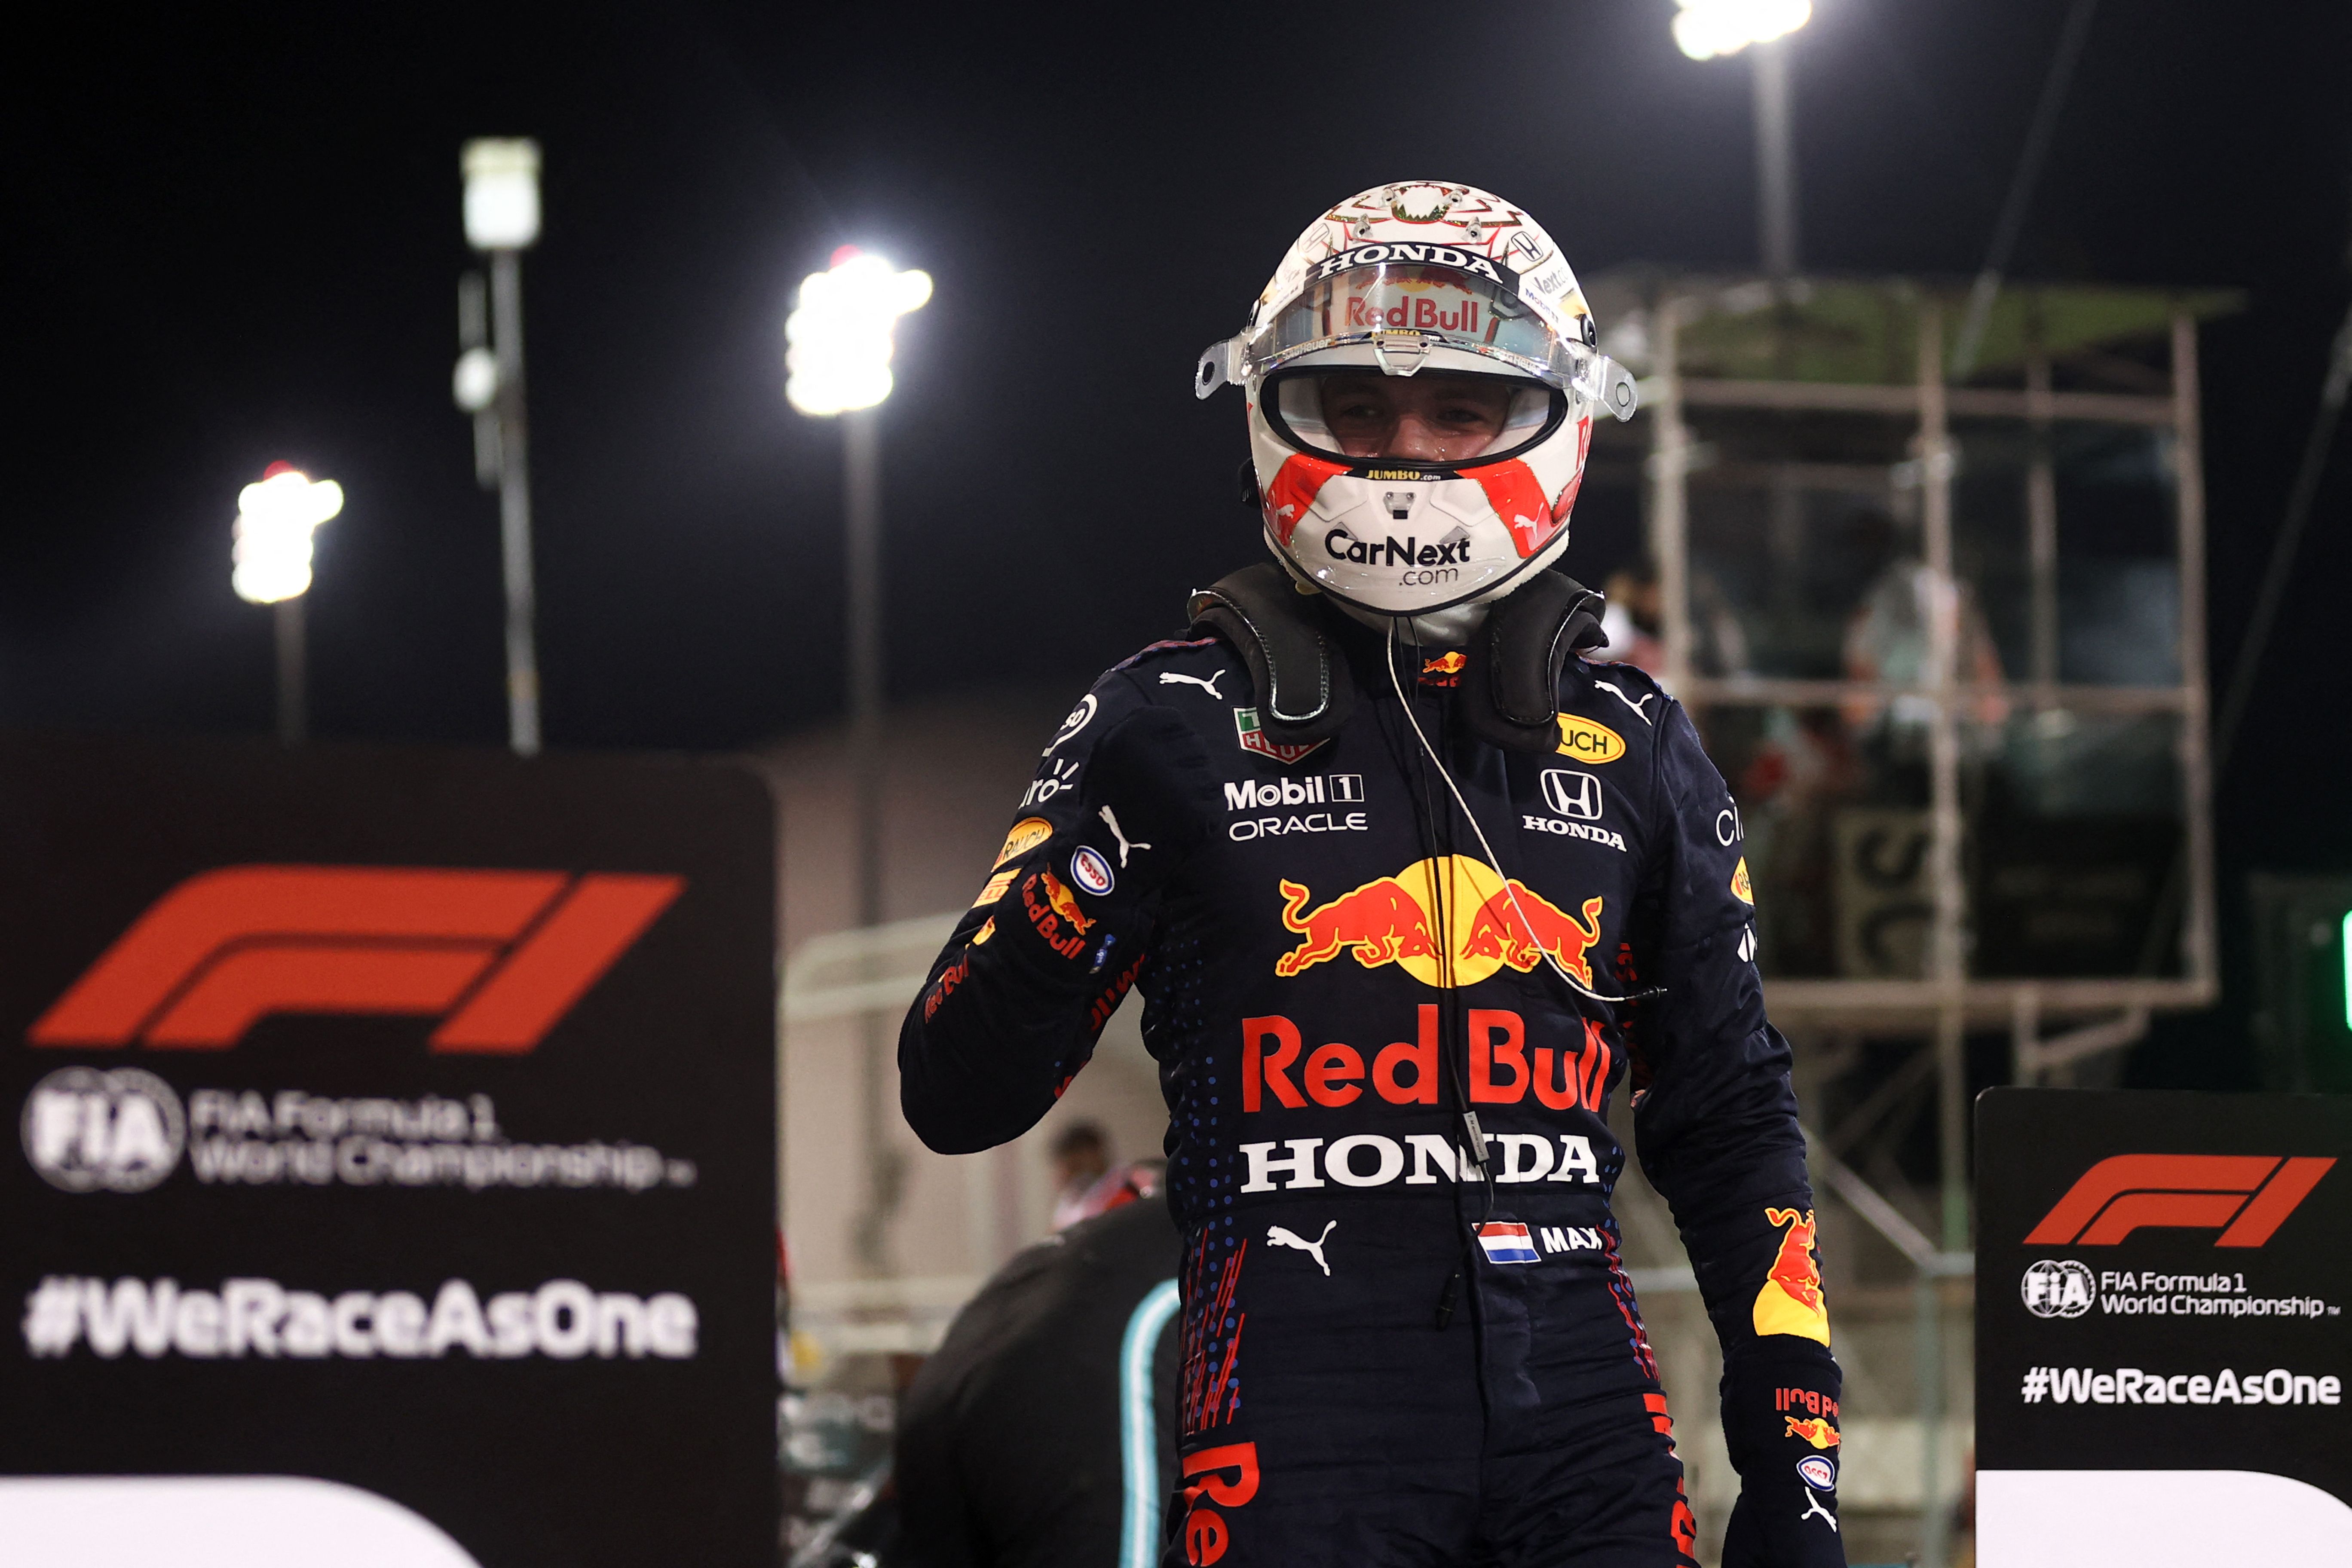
1091, 870
2059, 1288
121, 1132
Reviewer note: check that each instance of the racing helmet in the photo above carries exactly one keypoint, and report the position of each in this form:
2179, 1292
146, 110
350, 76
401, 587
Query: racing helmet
1401, 280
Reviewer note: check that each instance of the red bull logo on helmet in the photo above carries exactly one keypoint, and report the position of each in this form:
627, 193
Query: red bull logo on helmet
1494, 923
1431, 307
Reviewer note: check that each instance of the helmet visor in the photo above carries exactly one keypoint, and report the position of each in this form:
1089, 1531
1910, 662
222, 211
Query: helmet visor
1439, 418
1397, 315
1442, 305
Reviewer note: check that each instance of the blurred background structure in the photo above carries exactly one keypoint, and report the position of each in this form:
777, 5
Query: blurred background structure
1928, 554
501, 208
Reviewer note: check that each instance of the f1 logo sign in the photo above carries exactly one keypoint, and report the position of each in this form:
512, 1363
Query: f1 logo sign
504, 954
2250, 1193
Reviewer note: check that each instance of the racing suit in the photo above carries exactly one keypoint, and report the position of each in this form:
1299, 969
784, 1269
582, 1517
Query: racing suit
1408, 1336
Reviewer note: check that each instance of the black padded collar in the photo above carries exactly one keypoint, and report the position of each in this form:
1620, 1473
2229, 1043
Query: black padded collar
1304, 692
1510, 687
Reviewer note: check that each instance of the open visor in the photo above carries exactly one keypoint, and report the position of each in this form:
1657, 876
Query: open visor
1397, 316
1293, 402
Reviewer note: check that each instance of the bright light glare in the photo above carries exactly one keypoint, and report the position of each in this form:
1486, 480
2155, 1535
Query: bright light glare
475, 383
275, 519
1706, 29
501, 192
838, 353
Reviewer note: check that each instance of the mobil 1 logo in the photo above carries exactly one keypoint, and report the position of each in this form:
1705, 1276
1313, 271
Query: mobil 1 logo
1321, 789
1297, 805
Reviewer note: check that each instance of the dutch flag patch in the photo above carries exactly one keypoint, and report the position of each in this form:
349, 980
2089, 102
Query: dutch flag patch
1506, 1241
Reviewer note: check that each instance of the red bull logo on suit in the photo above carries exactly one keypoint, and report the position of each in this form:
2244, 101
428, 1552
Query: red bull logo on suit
1397, 920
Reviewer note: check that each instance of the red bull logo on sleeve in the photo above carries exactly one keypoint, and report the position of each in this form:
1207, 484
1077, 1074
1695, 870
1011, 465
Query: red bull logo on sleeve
1816, 1431
1056, 915
1790, 1300
1397, 920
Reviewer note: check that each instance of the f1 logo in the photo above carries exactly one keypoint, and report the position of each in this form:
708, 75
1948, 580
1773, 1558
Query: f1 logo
2250, 1193
504, 954
1572, 792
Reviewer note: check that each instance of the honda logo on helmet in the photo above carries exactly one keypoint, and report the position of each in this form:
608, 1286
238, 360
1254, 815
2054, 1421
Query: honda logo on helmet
1424, 255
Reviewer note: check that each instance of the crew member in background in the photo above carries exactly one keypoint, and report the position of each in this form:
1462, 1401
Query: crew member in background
1010, 1452
1411, 890
1081, 1156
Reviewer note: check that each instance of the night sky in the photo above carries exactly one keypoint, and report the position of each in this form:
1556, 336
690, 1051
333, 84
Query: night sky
234, 238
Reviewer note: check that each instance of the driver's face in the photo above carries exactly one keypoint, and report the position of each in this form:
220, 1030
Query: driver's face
1433, 417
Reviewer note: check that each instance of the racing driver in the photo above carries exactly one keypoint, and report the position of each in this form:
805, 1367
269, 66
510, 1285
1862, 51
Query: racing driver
1410, 889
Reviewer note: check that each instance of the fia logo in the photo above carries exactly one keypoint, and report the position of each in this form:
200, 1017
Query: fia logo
86, 1131
2059, 1288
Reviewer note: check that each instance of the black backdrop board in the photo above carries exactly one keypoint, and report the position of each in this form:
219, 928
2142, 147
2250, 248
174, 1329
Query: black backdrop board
2161, 1286
400, 1119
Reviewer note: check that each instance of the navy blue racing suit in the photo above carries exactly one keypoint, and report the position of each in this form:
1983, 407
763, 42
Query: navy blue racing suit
1400, 1343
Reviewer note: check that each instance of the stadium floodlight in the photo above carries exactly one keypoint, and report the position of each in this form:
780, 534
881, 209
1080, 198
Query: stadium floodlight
502, 219
838, 350
1705, 29
272, 539
1709, 29
838, 340
501, 192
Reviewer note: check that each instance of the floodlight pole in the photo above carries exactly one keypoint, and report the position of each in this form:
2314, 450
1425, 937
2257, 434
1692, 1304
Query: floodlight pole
1776, 159
514, 502
861, 442
862, 492
293, 696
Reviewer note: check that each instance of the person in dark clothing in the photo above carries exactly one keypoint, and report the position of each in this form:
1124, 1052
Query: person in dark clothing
1410, 889
1016, 1443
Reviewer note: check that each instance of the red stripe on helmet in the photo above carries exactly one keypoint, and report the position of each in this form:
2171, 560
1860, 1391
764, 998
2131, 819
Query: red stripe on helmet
1294, 488
1517, 498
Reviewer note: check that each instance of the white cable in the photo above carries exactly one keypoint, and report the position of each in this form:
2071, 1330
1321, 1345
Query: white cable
1493, 860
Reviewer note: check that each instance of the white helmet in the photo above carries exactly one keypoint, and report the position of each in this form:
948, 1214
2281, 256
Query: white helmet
1406, 277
